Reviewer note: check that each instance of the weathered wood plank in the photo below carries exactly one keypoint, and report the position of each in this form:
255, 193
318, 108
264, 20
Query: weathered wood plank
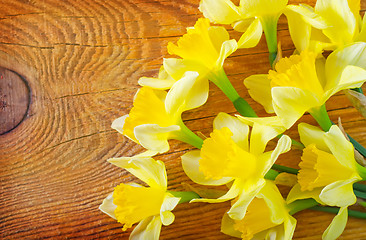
82, 60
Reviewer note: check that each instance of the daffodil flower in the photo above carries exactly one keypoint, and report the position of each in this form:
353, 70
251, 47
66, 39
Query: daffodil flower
302, 83
156, 116
267, 217
204, 49
251, 17
328, 170
227, 157
133, 203
330, 25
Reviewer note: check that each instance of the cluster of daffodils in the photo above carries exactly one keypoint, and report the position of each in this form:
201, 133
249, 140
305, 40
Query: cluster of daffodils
236, 154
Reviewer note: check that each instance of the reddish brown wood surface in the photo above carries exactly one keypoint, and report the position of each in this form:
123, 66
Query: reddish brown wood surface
82, 60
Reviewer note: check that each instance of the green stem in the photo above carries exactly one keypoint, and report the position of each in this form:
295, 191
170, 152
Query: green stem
360, 187
187, 136
269, 24
300, 205
359, 90
271, 174
185, 196
220, 79
361, 171
335, 210
321, 116
285, 169
360, 194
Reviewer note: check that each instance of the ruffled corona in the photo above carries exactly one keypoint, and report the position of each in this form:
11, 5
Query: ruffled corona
136, 203
319, 169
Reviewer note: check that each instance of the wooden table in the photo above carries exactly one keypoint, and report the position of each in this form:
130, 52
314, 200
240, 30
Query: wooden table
68, 69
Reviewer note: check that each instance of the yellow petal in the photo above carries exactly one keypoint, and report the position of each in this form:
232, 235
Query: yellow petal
296, 194
340, 18
197, 45
235, 189
239, 129
148, 228
227, 227
339, 193
108, 207
163, 82
291, 103
259, 88
340, 147
262, 7
169, 203
220, 11
118, 123
145, 168
178, 67
337, 226
190, 164
153, 137
248, 192
252, 35
310, 134
227, 48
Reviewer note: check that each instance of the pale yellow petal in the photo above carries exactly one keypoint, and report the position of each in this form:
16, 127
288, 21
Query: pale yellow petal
145, 168
239, 129
227, 226
337, 226
235, 189
108, 206
148, 228
169, 203
220, 11
353, 54
262, 7
283, 146
227, 48
339, 193
260, 136
248, 192
296, 194
362, 36
340, 18
252, 35
118, 123
153, 137
180, 95
177, 67
340, 147
310, 134
190, 163
290, 103
259, 88
163, 82
274, 201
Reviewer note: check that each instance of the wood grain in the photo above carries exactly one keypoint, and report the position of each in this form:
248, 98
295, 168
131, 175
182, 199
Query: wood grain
82, 60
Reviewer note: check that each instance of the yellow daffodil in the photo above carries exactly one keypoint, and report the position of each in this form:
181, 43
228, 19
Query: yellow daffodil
302, 83
328, 170
203, 49
266, 217
156, 116
330, 25
227, 157
132, 203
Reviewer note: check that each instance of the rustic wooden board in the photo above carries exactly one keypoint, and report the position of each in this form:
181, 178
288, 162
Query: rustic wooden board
81, 61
